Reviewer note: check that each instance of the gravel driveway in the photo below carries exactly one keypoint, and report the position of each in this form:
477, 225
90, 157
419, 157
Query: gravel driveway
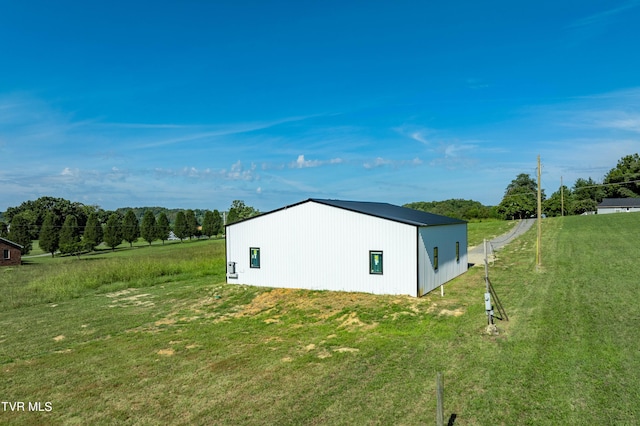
476, 254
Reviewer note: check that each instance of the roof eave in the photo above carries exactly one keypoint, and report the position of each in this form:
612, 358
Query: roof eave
11, 243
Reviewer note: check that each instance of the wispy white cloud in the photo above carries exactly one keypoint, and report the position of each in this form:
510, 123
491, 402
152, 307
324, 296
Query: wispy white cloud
239, 172
620, 121
631, 124
583, 136
302, 163
146, 125
455, 156
618, 110
381, 162
420, 137
603, 17
197, 132
377, 162
594, 26
583, 158
457, 150
68, 172
417, 133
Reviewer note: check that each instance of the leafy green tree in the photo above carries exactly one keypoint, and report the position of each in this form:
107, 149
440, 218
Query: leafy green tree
520, 198
113, 231
70, 236
4, 230
148, 229
552, 206
49, 235
130, 227
218, 226
239, 211
623, 181
192, 222
181, 228
163, 228
36, 211
208, 225
27, 223
20, 232
212, 224
458, 208
93, 233
586, 195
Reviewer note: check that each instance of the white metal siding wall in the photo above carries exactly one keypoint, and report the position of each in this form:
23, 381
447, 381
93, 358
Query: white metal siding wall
444, 237
315, 246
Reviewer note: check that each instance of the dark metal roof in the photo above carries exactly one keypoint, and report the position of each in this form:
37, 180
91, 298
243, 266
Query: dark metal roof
391, 212
620, 202
11, 243
382, 210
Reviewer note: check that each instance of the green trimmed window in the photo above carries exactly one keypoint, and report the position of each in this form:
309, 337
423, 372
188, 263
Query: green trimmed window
435, 258
375, 262
254, 257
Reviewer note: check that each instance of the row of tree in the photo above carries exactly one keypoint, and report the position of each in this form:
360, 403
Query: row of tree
71, 227
458, 208
622, 181
73, 239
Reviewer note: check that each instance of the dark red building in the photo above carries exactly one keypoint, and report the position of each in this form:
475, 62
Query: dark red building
10, 253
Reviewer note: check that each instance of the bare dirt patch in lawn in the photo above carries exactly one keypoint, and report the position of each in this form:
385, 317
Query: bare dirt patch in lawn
129, 300
455, 313
351, 322
324, 304
342, 350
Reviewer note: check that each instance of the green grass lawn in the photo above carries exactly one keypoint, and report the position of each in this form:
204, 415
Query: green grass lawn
175, 345
478, 231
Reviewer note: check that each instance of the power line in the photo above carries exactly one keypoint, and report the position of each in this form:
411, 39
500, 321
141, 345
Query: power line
607, 184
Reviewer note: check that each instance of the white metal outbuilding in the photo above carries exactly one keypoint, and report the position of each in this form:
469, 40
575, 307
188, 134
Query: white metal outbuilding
619, 205
339, 245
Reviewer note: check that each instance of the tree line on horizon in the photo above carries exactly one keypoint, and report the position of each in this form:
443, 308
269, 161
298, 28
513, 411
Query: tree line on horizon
622, 181
520, 196
72, 227
457, 208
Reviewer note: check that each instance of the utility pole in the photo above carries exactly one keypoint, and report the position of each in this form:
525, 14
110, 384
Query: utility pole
561, 197
539, 242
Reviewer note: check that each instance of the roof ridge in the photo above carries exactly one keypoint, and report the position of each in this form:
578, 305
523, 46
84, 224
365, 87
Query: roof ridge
391, 212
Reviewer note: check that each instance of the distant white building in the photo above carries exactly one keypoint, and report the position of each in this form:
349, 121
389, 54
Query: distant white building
619, 205
347, 245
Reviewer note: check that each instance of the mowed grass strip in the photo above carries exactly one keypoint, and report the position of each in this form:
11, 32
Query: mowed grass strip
188, 349
570, 355
46, 279
487, 228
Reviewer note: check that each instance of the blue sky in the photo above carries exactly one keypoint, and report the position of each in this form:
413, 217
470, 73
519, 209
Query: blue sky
192, 104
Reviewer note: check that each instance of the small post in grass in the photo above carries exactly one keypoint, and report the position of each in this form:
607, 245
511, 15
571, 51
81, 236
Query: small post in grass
491, 327
440, 399
487, 293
